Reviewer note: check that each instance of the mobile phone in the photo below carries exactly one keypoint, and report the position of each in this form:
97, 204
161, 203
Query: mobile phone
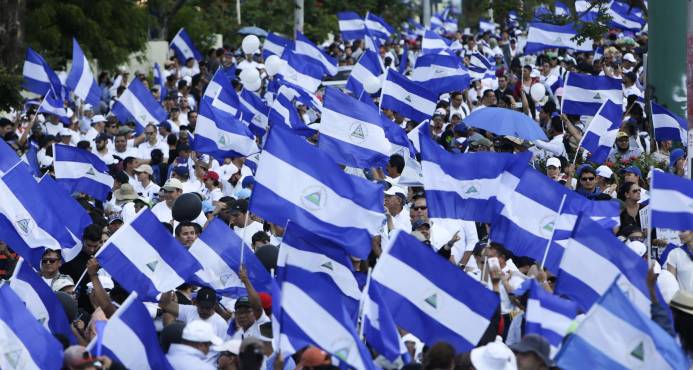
518, 105
493, 264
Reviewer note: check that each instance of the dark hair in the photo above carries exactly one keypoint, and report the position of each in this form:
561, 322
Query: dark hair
623, 189
84, 145
168, 227
260, 236
397, 161
500, 249
440, 356
183, 224
92, 232
127, 161
683, 324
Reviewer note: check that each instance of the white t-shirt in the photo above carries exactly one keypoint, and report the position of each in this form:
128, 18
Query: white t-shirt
253, 227
150, 191
144, 150
679, 259
188, 313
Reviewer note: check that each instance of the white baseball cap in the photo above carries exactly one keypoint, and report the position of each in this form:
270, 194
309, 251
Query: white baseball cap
553, 161
233, 346
629, 57
638, 247
200, 332
604, 172
98, 118
393, 190
495, 355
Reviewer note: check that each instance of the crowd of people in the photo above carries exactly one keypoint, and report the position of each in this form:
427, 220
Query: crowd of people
200, 329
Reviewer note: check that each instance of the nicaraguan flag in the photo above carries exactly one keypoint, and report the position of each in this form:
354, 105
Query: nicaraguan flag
671, 199
8, 157
378, 26
486, 25
407, 97
184, 48
301, 70
379, 328
144, 257
51, 104
616, 335
222, 96
371, 42
546, 314
436, 301
26, 344
283, 112
351, 25
325, 259
440, 73
275, 45
78, 170
130, 337
159, 81
433, 43
298, 182
137, 103
561, 9
39, 78
600, 135
255, 105
668, 125
300, 94
80, 80
543, 36
218, 250
625, 17
351, 132
480, 67
40, 300
584, 94
303, 46
367, 67
311, 312
221, 135
586, 12
609, 259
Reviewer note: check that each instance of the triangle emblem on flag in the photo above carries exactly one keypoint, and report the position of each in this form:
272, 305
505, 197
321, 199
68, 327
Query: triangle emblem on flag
42, 320
143, 117
639, 352
471, 190
558, 40
342, 353
438, 71
597, 96
358, 132
327, 265
408, 98
548, 227
91, 171
12, 357
314, 198
152, 265
432, 300
24, 224
222, 140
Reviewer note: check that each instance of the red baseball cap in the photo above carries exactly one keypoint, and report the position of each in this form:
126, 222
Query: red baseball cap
211, 175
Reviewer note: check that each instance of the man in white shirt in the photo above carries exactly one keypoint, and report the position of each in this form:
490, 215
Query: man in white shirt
238, 211
98, 123
52, 126
144, 150
198, 336
205, 302
397, 216
145, 186
101, 149
122, 150
172, 189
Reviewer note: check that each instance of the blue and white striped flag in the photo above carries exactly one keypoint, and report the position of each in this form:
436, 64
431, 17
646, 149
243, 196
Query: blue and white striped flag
51, 104
311, 312
324, 258
367, 68
80, 80
40, 300
296, 181
221, 95
218, 250
78, 170
144, 257
585, 11
26, 344
616, 335
378, 27
671, 199
221, 135
467, 186
379, 328
547, 314
437, 301
440, 73
260, 111
137, 103
351, 25
480, 68
301, 70
184, 48
275, 45
130, 337
543, 36
407, 97
600, 135
303, 46
8, 157
351, 132
371, 42
433, 43
39, 78
561, 9
668, 125
283, 112
159, 81
609, 259
625, 17
584, 94
486, 25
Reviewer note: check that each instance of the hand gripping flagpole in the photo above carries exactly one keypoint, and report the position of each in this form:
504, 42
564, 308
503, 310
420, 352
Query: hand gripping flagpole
555, 224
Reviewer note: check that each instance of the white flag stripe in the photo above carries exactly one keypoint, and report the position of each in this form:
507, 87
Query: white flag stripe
36, 72
665, 200
341, 127
125, 344
396, 91
541, 216
86, 79
437, 179
10, 342
215, 270
78, 170
598, 274
592, 96
421, 74
546, 37
32, 300
15, 212
351, 25
136, 109
206, 128
550, 320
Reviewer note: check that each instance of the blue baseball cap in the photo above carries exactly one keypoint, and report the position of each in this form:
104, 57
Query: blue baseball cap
675, 155
634, 170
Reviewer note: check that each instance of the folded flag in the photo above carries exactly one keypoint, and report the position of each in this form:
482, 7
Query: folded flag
137, 104
301, 70
547, 314
275, 45
625, 17
26, 344
407, 97
260, 110
80, 80
283, 112
184, 48
351, 132
671, 199
221, 135
325, 259
222, 96
378, 26
298, 182
379, 328
584, 94
130, 337
351, 25
609, 259
543, 36
303, 46
616, 335
371, 42
144, 257
78, 170
605, 213
600, 135
433, 43
39, 78
437, 301
40, 300
368, 67
218, 250
440, 73
668, 125
51, 104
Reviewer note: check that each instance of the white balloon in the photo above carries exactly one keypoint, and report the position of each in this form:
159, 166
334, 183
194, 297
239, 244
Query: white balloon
537, 91
371, 85
249, 74
273, 65
253, 85
250, 44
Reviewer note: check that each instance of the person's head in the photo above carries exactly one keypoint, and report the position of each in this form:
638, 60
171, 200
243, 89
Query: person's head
553, 167
150, 133
91, 240
259, 239
632, 233
502, 82
677, 159
144, 173
186, 233
419, 210
181, 173
587, 179
200, 335
422, 226
494, 355
101, 141
622, 141
50, 262
237, 211
440, 356
394, 200
629, 192
497, 250
632, 174
604, 175
78, 357
121, 142
211, 179
682, 313
171, 190
395, 165
489, 98
129, 164
532, 353
205, 301
456, 99
244, 315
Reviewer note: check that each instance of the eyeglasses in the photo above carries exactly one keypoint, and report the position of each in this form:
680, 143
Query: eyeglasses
49, 260
587, 178
419, 208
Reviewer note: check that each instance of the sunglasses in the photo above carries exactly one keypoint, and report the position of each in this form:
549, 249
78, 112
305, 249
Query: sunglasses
587, 179
419, 208
49, 260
